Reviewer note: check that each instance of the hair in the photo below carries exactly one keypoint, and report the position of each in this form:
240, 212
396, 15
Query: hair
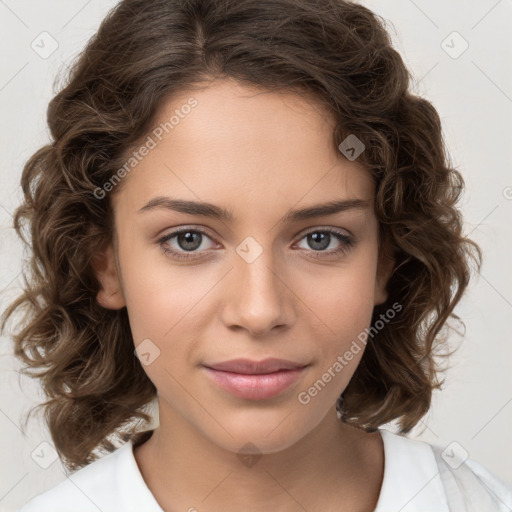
145, 52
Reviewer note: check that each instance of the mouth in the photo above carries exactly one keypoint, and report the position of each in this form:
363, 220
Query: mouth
255, 380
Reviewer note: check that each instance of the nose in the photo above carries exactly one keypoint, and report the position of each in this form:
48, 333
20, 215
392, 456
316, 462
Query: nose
259, 298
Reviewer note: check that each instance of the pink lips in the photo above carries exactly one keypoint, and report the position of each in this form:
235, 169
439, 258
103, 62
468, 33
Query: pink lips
255, 380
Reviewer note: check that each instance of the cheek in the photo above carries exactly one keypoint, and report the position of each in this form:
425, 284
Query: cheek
346, 297
344, 304
158, 296
166, 309
170, 307
164, 304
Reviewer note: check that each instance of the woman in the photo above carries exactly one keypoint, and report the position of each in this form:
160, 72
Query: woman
245, 215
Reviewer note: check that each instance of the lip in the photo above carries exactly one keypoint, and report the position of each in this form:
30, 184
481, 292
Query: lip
251, 367
255, 380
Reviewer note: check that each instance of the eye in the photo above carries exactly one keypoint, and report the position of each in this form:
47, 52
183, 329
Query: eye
321, 239
187, 241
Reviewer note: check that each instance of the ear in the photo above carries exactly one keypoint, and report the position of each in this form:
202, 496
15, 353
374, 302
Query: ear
110, 295
385, 268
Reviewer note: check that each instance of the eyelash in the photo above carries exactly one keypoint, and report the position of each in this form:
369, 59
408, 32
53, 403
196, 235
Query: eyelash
347, 243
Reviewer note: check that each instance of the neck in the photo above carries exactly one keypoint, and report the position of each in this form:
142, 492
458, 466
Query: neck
334, 465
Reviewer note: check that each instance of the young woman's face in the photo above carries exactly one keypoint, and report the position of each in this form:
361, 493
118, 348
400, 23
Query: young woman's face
263, 283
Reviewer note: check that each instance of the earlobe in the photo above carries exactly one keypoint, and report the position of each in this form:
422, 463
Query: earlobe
110, 294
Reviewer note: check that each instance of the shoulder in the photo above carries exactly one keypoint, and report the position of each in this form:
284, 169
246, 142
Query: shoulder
93, 487
469, 484
422, 476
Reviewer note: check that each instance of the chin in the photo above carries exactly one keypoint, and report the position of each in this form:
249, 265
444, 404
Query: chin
261, 431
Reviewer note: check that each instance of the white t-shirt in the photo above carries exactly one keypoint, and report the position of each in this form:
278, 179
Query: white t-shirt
416, 479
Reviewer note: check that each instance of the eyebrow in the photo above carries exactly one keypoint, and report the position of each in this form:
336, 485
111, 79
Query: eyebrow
216, 212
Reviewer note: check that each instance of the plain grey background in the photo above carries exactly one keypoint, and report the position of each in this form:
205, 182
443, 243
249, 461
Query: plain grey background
459, 53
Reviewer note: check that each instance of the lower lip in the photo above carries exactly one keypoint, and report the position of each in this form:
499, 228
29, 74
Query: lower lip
255, 387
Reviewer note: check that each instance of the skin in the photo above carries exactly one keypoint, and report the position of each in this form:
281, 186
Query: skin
261, 155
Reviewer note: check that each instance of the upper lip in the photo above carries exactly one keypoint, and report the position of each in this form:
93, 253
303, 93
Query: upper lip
251, 367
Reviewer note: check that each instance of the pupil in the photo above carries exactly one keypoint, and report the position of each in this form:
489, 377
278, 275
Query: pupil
188, 239
318, 238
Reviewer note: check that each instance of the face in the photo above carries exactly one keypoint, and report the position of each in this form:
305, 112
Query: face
258, 283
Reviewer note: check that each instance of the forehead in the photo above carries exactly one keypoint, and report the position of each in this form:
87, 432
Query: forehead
245, 145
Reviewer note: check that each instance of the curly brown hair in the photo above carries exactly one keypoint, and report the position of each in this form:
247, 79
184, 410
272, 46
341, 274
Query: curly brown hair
337, 52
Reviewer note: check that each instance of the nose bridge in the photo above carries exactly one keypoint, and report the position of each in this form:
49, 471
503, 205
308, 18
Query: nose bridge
259, 301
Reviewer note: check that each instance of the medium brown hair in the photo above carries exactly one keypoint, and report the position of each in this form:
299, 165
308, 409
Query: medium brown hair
146, 51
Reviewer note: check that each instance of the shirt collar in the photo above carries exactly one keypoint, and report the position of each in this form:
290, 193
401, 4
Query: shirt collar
411, 482
134, 491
